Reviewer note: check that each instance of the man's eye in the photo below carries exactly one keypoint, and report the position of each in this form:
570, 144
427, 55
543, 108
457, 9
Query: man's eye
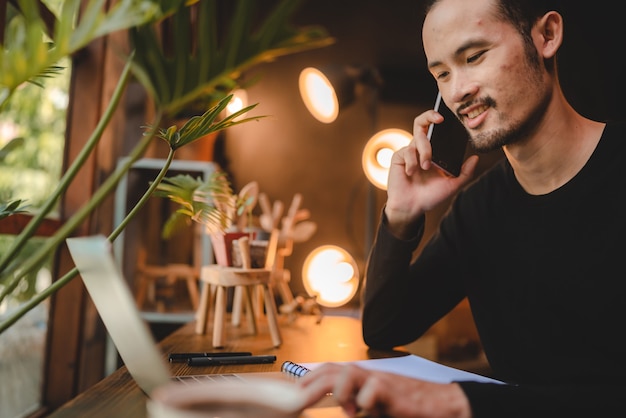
441, 75
475, 57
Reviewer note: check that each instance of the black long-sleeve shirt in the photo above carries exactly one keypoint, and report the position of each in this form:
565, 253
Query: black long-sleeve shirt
545, 277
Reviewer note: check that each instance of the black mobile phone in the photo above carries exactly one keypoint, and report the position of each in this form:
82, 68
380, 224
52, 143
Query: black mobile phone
448, 140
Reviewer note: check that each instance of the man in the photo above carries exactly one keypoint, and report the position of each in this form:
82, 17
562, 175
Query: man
535, 244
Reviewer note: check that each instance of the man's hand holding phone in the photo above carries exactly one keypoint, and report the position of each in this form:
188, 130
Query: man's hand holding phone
412, 189
448, 140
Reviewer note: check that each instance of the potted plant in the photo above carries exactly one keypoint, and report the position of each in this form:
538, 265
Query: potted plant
212, 203
189, 70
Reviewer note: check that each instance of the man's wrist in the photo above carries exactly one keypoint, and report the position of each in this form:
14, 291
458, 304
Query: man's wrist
401, 226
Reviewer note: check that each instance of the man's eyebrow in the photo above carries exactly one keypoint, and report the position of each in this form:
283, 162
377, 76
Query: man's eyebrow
472, 43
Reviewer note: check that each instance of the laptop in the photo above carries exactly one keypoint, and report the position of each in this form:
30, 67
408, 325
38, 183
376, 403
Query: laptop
272, 392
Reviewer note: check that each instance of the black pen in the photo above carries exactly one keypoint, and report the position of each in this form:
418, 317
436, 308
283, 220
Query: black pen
220, 361
183, 357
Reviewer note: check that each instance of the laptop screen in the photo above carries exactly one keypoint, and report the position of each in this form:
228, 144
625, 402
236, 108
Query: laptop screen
110, 293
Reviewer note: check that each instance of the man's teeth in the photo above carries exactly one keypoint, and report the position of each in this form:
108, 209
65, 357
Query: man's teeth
476, 112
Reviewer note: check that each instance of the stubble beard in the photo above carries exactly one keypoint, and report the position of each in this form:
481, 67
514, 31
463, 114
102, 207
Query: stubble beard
517, 131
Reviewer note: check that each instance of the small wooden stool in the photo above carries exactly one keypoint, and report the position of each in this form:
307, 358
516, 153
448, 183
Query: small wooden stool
147, 275
241, 278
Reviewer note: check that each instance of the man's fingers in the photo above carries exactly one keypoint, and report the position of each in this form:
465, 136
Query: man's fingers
420, 142
468, 168
369, 397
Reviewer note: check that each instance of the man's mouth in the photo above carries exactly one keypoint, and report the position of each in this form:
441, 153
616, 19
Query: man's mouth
476, 111
474, 116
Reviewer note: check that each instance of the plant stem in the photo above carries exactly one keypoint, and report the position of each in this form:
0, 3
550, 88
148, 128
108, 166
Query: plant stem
36, 300
68, 177
58, 284
144, 199
77, 218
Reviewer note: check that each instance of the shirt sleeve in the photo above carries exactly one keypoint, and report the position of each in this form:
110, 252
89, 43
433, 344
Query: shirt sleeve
403, 297
591, 399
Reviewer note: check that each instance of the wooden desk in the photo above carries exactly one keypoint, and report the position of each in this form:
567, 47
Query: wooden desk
335, 338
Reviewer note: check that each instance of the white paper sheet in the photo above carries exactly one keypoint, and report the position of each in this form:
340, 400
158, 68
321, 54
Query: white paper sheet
416, 367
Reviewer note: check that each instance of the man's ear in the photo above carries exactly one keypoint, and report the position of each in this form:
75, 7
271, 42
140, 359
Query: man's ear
548, 34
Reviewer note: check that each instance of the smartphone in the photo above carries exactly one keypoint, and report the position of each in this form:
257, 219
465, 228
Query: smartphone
448, 140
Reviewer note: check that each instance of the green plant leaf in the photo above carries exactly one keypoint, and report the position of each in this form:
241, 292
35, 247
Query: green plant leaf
26, 54
175, 223
209, 202
15, 143
213, 69
197, 127
13, 207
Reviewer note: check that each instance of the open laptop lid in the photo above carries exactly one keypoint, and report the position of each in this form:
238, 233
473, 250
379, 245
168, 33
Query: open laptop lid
110, 293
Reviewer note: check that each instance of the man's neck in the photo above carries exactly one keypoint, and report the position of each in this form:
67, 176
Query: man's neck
556, 153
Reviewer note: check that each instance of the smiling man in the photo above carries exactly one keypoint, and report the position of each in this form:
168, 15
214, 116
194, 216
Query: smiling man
535, 243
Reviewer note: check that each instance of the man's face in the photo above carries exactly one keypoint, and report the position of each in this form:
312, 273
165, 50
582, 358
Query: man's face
486, 75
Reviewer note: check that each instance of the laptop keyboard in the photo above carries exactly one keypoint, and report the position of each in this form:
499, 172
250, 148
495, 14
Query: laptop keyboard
204, 378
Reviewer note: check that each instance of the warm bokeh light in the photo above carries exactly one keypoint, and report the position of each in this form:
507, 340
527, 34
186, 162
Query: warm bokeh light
331, 275
378, 152
318, 95
383, 157
238, 101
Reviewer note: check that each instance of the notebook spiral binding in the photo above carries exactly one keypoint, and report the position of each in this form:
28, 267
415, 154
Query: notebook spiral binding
294, 369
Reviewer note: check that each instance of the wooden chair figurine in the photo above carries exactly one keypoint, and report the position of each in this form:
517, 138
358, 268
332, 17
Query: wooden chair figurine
218, 279
146, 275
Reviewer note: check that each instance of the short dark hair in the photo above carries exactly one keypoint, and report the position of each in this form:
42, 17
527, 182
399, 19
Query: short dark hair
522, 14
